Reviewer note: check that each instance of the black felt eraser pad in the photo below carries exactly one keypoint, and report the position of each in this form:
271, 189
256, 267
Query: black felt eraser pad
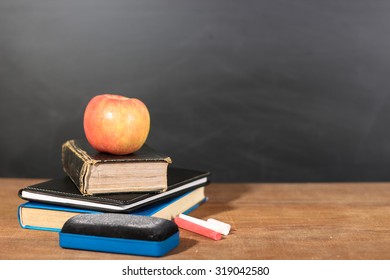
120, 233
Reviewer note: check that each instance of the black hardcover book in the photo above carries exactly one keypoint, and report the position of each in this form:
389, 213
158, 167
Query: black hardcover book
62, 191
93, 172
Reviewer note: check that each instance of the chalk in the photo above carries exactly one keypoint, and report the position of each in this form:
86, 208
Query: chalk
190, 226
200, 222
224, 227
213, 225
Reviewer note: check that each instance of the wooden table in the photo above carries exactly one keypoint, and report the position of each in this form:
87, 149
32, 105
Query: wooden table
269, 221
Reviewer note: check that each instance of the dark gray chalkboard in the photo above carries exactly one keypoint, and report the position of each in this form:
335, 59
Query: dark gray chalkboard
250, 90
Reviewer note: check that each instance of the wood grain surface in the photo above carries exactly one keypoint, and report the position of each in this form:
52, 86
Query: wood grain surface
269, 221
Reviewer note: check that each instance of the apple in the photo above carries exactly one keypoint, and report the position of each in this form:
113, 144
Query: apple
116, 124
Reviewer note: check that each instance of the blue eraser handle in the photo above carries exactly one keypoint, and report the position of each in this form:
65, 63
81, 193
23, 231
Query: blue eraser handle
120, 233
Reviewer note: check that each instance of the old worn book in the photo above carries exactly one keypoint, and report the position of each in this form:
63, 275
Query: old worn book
94, 172
62, 191
43, 216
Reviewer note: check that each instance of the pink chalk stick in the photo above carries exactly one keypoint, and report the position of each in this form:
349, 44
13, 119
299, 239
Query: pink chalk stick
187, 225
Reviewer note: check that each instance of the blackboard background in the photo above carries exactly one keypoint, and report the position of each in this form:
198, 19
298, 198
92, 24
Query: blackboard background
250, 90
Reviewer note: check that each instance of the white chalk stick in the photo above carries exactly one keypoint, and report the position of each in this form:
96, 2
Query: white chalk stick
225, 228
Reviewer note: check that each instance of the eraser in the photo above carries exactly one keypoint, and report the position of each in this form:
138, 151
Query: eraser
213, 226
224, 227
187, 225
120, 233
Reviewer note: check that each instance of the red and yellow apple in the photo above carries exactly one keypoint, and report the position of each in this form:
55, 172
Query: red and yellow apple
116, 124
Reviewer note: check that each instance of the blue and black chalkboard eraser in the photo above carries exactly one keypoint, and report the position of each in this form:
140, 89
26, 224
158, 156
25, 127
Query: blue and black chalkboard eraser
120, 233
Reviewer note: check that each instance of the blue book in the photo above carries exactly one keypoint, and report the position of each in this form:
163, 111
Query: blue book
50, 217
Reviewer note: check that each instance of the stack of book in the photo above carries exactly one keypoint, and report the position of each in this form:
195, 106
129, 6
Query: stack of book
141, 183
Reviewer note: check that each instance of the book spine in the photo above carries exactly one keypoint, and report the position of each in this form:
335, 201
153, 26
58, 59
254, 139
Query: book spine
75, 165
20, 215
